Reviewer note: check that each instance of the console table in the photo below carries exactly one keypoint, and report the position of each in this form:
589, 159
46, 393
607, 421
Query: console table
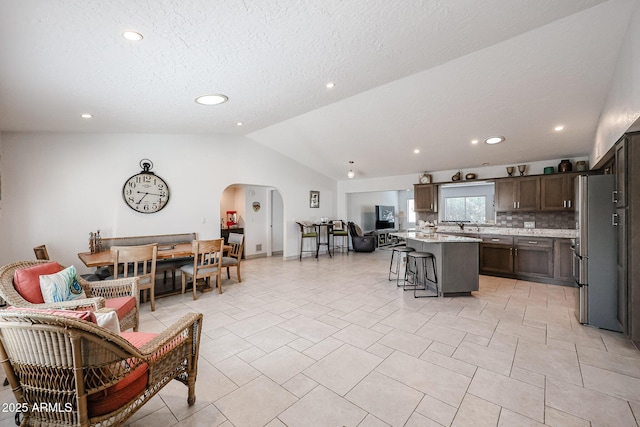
384, 237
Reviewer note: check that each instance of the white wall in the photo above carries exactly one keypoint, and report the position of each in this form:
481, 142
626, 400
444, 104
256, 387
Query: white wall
56, 188
277, 214
622, 105
256, 227
362, 207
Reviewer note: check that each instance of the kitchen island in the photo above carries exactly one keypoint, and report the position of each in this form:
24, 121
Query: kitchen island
457, 260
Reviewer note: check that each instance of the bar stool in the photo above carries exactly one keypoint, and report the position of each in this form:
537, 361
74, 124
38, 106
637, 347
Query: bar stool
308, 231
339, 229
417, 273
400, 250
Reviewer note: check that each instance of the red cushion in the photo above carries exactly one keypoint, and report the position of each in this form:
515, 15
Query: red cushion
120, 393
122, 305
126, 389
138, 339
82, 315
27, 280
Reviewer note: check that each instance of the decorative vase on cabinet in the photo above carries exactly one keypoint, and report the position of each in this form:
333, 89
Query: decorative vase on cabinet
565, 166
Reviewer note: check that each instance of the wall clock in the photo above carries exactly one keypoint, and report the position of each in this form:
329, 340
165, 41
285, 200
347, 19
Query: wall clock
424, 178
146, 192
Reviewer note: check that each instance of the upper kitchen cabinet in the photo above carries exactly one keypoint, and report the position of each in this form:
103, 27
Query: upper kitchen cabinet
517, 194
425, 197
556, 192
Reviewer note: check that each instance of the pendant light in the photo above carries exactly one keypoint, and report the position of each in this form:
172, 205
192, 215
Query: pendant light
351, 173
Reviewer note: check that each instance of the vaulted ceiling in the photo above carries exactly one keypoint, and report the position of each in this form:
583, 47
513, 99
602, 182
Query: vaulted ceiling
428, 75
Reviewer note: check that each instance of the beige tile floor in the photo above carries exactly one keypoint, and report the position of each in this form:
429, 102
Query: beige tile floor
333, 343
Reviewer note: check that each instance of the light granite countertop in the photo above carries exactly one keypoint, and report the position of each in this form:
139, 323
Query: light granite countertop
434, 238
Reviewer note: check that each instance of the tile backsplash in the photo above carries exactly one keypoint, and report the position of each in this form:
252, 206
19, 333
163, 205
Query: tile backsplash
564, 220
556, 220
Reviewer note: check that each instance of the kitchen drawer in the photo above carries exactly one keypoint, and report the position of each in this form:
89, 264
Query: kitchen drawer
497, 239
544, 242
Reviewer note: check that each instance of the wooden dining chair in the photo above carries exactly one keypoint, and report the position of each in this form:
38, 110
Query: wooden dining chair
137, 261
234, 256
207, 263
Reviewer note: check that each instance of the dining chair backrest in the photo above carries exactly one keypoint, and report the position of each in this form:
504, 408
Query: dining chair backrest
236, 241
207, 254
138, 261
207, 263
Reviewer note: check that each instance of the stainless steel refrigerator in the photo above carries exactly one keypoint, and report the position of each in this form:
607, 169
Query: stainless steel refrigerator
594, 266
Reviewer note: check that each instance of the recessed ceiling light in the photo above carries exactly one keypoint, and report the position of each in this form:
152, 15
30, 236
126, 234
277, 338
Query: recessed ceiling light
212, 99
331, 85
416, 151
239, 124
494, 140
132, 36
86, 116
558, 128
474, 141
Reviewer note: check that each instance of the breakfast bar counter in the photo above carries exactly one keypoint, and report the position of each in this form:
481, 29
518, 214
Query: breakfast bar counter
457, 260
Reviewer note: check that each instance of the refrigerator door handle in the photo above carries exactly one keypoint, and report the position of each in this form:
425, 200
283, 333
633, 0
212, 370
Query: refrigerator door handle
614, 196
614, 219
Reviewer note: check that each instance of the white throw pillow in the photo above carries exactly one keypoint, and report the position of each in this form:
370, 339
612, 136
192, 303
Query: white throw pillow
61, 286
108, 320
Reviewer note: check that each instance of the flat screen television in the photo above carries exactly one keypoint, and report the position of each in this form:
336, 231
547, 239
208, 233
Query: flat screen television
385, 217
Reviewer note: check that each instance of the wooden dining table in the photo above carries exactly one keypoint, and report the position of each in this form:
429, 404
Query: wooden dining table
165, 252
103, 258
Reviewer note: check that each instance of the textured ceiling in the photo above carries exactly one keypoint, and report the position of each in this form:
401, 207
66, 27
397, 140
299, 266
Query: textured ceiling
429, 74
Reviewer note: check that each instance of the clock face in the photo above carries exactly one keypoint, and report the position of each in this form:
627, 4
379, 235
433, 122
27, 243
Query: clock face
425, 179
145, 193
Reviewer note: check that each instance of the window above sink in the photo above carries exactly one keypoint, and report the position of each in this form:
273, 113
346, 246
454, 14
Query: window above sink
471, 202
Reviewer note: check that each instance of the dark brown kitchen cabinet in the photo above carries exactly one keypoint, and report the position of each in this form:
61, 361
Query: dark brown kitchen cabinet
517, 194
621, 266
563, 261
556, 192
496, 255
533, 257
519, 257
425, 197
620, 193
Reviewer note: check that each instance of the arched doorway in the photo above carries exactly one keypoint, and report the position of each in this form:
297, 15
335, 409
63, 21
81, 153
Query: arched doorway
259, 215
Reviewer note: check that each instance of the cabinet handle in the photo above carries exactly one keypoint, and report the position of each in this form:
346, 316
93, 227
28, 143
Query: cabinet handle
518, 205
532, 243
564, 203
614, 219
510, 251
514, 205
516, 251
495, 240
614, 196
431, 206
569, 202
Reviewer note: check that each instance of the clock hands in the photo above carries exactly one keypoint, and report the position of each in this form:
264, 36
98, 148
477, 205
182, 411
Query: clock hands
145, 195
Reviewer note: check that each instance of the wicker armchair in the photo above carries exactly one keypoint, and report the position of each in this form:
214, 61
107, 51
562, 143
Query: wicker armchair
97, 294
85, 375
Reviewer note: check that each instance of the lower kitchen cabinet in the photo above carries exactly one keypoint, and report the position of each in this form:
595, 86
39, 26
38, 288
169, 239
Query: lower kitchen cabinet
496, 255
563, 260
544, 259
533, 257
